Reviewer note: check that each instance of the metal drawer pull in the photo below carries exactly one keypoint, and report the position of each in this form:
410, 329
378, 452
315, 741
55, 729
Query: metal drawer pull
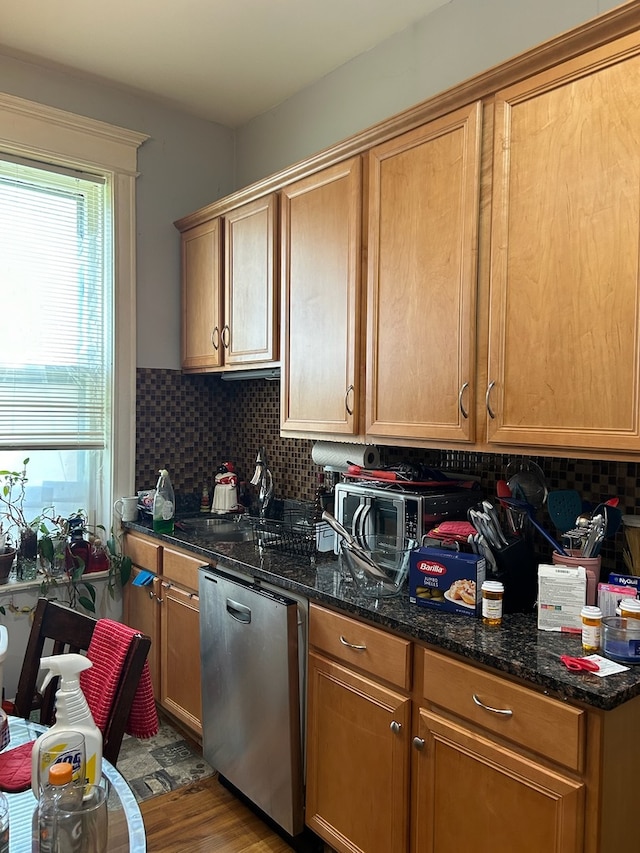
395, 727
352, 645
504, 712
463, 411
346, 400
486, 400
418, 742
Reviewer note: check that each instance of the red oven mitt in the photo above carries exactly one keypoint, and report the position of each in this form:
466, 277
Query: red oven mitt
452, 531
15, 768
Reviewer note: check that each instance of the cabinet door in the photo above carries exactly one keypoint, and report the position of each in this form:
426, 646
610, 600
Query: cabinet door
180, 655
250, 333
141, 611
201, 297
564, 339
422, 280
357, 761
473, 794
320, 257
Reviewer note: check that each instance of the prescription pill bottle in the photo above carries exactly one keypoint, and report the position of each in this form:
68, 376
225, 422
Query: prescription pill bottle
630, 608
492, 594
591, 628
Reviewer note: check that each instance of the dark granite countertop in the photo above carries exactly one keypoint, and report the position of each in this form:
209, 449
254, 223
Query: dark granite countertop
517, 647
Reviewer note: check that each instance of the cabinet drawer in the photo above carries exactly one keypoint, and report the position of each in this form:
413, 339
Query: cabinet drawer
377, 652
143, 552
181, 568
536, 722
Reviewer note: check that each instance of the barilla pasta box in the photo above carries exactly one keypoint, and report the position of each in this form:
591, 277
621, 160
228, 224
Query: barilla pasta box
447, 580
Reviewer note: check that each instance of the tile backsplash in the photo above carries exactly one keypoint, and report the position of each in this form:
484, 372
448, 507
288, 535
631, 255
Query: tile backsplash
192, 423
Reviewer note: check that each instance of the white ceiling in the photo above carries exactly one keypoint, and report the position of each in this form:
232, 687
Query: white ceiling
223, 60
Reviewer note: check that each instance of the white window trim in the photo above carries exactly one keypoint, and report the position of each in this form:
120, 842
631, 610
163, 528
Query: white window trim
50, 135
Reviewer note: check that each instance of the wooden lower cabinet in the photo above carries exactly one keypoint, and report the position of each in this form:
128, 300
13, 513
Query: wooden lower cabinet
474, 794
180, 692
357, 760
169, 612
141, 612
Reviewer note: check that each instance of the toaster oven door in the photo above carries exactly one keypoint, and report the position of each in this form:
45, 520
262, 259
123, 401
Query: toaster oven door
367, 515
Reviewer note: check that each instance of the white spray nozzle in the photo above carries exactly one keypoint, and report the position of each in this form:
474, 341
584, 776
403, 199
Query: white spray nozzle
68, 667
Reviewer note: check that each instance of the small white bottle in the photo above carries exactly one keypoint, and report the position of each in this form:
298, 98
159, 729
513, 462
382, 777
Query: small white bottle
591, 628
492, 594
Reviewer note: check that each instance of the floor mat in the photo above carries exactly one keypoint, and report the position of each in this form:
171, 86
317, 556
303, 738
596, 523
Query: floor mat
161, 763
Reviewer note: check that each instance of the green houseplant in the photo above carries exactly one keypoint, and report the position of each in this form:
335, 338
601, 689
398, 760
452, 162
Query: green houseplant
61, 573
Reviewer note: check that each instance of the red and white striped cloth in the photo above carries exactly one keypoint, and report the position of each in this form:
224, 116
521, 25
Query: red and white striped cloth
107, 652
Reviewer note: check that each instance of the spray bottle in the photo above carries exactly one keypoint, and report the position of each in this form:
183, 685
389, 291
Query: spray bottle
72, 716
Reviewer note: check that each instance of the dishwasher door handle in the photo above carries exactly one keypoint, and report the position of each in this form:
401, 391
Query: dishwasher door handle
239, 612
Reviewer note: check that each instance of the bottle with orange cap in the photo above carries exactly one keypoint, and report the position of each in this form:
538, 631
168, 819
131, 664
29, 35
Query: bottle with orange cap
59, 791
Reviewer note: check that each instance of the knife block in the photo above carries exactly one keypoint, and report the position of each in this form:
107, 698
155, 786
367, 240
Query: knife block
517, 568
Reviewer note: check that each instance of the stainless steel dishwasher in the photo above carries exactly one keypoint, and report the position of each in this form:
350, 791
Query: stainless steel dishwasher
253, 649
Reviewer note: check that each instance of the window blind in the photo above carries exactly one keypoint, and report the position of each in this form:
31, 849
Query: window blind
54, 372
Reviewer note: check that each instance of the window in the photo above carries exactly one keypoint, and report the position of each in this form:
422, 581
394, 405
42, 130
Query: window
54, 382
67, 276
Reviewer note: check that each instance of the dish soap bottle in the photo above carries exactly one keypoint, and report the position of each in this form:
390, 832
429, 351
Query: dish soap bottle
164, 504
72, 716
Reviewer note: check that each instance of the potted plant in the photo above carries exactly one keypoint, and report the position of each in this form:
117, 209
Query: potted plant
61, 569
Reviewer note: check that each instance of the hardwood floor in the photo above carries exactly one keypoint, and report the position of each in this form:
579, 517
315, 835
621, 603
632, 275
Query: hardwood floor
206, 818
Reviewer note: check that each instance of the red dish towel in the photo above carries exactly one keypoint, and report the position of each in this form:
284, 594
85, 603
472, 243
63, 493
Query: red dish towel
107, 652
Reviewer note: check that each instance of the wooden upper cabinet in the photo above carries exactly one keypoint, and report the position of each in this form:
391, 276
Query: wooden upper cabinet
320, 270
252, 311
422, 280
564, 332
201, 297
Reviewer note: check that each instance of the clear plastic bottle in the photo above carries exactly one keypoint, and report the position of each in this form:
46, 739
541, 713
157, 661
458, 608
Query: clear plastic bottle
59, 790
591, 628
492, 594
164, 504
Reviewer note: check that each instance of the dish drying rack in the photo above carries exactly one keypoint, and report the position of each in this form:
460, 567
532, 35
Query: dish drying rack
294, 534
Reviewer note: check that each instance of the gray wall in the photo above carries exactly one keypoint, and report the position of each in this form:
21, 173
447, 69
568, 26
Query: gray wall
188, 163
453, 43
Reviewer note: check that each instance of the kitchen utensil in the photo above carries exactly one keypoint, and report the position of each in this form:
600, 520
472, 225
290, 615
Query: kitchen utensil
493, 516
595, 537
564, 506
503, 491
612, 515
391, 566
357, 554
579, 664
527, 482
526, 509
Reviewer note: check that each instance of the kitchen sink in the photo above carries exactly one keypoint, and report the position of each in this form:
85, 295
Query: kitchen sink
218, 529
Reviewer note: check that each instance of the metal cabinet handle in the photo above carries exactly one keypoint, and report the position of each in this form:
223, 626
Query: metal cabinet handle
463, 411
346, 400
352, 645
215, 338
418, 742
486, 400
226, 336
503, 712
395, 727
239, 612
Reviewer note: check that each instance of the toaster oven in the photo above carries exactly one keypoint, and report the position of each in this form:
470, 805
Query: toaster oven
398, 511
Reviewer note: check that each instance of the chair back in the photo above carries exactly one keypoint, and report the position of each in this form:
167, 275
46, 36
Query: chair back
71, 631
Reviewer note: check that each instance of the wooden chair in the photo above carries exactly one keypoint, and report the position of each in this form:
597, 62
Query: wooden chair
71, 631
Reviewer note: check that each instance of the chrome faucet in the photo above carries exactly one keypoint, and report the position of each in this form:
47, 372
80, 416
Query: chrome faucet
262, 477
